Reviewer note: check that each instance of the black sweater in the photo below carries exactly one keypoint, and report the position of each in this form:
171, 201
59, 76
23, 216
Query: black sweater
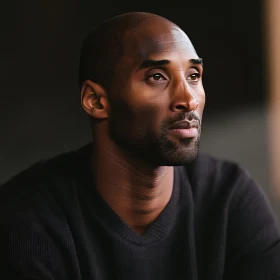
217, 225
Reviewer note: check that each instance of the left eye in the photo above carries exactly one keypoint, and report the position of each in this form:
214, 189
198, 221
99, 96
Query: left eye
157, 77
194, 77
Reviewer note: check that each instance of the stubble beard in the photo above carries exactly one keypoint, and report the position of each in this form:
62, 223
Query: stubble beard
164, 150
175, 152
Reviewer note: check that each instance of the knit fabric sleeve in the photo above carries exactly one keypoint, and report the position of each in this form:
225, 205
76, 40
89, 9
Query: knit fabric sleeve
26, 253
35, 240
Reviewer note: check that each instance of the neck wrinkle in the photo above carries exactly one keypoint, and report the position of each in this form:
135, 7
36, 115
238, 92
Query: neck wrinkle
137, 192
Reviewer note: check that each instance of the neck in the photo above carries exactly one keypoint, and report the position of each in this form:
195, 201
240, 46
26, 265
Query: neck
137, 192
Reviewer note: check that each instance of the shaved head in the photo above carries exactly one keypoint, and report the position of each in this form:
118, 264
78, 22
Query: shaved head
104, 46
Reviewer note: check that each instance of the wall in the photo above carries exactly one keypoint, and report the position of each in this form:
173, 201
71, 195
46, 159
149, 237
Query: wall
40, 112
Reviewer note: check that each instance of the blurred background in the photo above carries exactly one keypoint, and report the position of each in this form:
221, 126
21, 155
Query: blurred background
239, 41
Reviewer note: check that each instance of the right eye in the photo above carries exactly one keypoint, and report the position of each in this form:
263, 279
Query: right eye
156, 77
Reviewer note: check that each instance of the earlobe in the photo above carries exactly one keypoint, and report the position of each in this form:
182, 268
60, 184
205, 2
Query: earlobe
94, 100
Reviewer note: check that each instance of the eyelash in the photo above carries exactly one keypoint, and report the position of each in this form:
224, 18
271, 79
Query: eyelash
157, 74
197, 75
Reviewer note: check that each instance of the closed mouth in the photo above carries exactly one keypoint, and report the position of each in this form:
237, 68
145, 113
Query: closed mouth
184, 125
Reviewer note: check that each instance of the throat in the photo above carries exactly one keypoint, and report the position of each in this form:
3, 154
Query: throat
135, 191
140, 212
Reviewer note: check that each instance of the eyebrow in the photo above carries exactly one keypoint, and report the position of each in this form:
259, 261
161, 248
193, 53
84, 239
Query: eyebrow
197, 61
157, 63
153, 63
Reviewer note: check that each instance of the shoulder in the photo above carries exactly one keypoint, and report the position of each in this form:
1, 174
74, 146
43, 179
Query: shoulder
225, 190
210, 170
220, 180
48, 168
36, 207
41, 182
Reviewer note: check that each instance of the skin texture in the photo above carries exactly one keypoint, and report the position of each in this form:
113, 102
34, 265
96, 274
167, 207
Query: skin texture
134, 107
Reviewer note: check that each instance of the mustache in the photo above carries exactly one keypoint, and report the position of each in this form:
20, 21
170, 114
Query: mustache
184, 116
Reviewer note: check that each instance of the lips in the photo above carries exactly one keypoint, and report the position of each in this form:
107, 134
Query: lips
184, 125
184, 129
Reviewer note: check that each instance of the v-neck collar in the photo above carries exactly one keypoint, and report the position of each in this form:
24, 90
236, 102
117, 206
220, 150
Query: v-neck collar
106, 216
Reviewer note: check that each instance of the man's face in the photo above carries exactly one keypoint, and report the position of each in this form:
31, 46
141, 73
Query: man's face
157, 97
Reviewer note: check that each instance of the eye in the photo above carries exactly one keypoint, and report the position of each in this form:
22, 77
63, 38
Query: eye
156, 77
194, 77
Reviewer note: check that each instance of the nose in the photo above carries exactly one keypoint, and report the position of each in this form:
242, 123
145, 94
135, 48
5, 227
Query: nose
184, 99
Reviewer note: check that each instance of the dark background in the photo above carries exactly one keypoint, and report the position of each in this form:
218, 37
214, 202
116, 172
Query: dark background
41, 114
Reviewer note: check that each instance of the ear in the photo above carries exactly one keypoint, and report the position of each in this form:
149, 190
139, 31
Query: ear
94, 100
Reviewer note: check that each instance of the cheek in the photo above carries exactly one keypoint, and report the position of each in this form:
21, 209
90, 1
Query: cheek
139, 120
150, 116
139, 130
142, 104
138, 109
152, 110
201, 99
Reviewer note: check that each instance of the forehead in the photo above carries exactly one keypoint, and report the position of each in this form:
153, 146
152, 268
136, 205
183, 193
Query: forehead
154, 39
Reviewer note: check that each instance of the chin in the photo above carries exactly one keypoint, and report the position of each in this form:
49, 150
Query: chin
181, 153
181, 159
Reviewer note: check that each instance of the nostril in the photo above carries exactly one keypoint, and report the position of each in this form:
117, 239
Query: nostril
180, 107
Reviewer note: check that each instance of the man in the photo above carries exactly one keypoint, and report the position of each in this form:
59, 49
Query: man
139, 202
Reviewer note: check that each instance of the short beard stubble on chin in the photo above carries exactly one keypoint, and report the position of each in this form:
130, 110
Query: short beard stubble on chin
160, 150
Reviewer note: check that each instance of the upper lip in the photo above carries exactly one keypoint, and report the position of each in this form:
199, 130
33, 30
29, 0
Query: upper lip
184, 125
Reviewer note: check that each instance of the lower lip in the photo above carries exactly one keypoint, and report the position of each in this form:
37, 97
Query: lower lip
184, 133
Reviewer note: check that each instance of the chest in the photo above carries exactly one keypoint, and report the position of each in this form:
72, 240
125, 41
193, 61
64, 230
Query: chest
182, 255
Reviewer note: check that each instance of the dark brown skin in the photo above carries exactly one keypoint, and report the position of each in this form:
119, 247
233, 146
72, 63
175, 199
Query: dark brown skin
134, 152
